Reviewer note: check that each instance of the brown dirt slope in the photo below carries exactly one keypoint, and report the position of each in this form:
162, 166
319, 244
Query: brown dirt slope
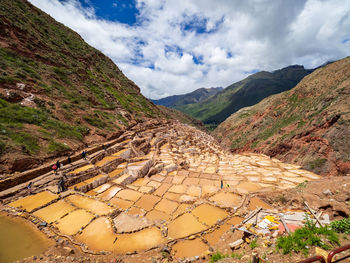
57, 93
308, 125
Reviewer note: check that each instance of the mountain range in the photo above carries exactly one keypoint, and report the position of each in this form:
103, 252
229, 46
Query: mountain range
246, 92
308, 125
178, 101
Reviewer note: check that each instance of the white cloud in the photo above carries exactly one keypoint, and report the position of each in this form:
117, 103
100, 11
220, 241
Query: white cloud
241, 36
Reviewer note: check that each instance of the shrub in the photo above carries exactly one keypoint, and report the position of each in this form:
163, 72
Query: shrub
303, 238
341, 226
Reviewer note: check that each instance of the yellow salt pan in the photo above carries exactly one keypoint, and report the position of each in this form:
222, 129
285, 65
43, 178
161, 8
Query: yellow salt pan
82, 169
89, 204
226, 199
110, 193
179, 189
99, 236
167, 206
115, 172
105, 160
157, 215
184, 225
209, 214
246, 187
189, 248
54, 212
73, 222
128, 194
147, 201
31, 202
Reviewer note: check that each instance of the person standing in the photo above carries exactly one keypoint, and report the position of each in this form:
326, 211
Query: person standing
61, 187
58, 164
69, 160
54, 168
83, 154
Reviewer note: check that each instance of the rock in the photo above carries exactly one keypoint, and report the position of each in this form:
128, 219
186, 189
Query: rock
165, 249
69, 250
171, 167
327, 192
236, 244
43, 224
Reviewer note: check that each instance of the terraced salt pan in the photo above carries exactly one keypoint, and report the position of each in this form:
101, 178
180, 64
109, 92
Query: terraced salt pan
209, 214
128, 223
102, 188
108, 194
214, 236
189, 248
82, 169
184, 225
247, 187
73, 222
54, 211
255, 202
226, 199
89, 204
31, 202
166, 206
98, 235
178, 189
121, 203
115, 172
141, 240
121, 179
156, 215
130, 195
105, 160
147, 201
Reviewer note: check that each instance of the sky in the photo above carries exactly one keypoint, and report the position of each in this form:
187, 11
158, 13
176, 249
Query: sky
170, 47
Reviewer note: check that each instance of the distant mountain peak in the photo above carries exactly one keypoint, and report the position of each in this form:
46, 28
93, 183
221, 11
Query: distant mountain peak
195, 96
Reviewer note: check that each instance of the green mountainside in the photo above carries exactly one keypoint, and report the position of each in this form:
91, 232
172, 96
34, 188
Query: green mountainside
177, 101
56, 91
308, 125
246, 92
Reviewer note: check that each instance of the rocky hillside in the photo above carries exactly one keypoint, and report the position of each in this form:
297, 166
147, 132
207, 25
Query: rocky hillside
178, 101
57, 93
308, 125
246, 92
183, 118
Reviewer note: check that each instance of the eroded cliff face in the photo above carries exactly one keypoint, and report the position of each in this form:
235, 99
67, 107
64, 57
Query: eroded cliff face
308, 125
57, 93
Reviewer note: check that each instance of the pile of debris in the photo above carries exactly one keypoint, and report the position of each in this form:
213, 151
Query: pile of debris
270, 223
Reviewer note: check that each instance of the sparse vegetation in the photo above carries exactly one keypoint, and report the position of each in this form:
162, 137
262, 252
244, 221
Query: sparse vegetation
341, 226
253, 244
57, 147
309, 235
218, 256
318, 162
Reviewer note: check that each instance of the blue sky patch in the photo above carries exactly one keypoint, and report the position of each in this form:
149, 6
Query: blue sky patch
346, 40
123, 11
199, 24
197, 59
173, 49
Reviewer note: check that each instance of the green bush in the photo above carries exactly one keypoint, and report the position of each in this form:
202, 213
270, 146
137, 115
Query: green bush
341, 226
309, 235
